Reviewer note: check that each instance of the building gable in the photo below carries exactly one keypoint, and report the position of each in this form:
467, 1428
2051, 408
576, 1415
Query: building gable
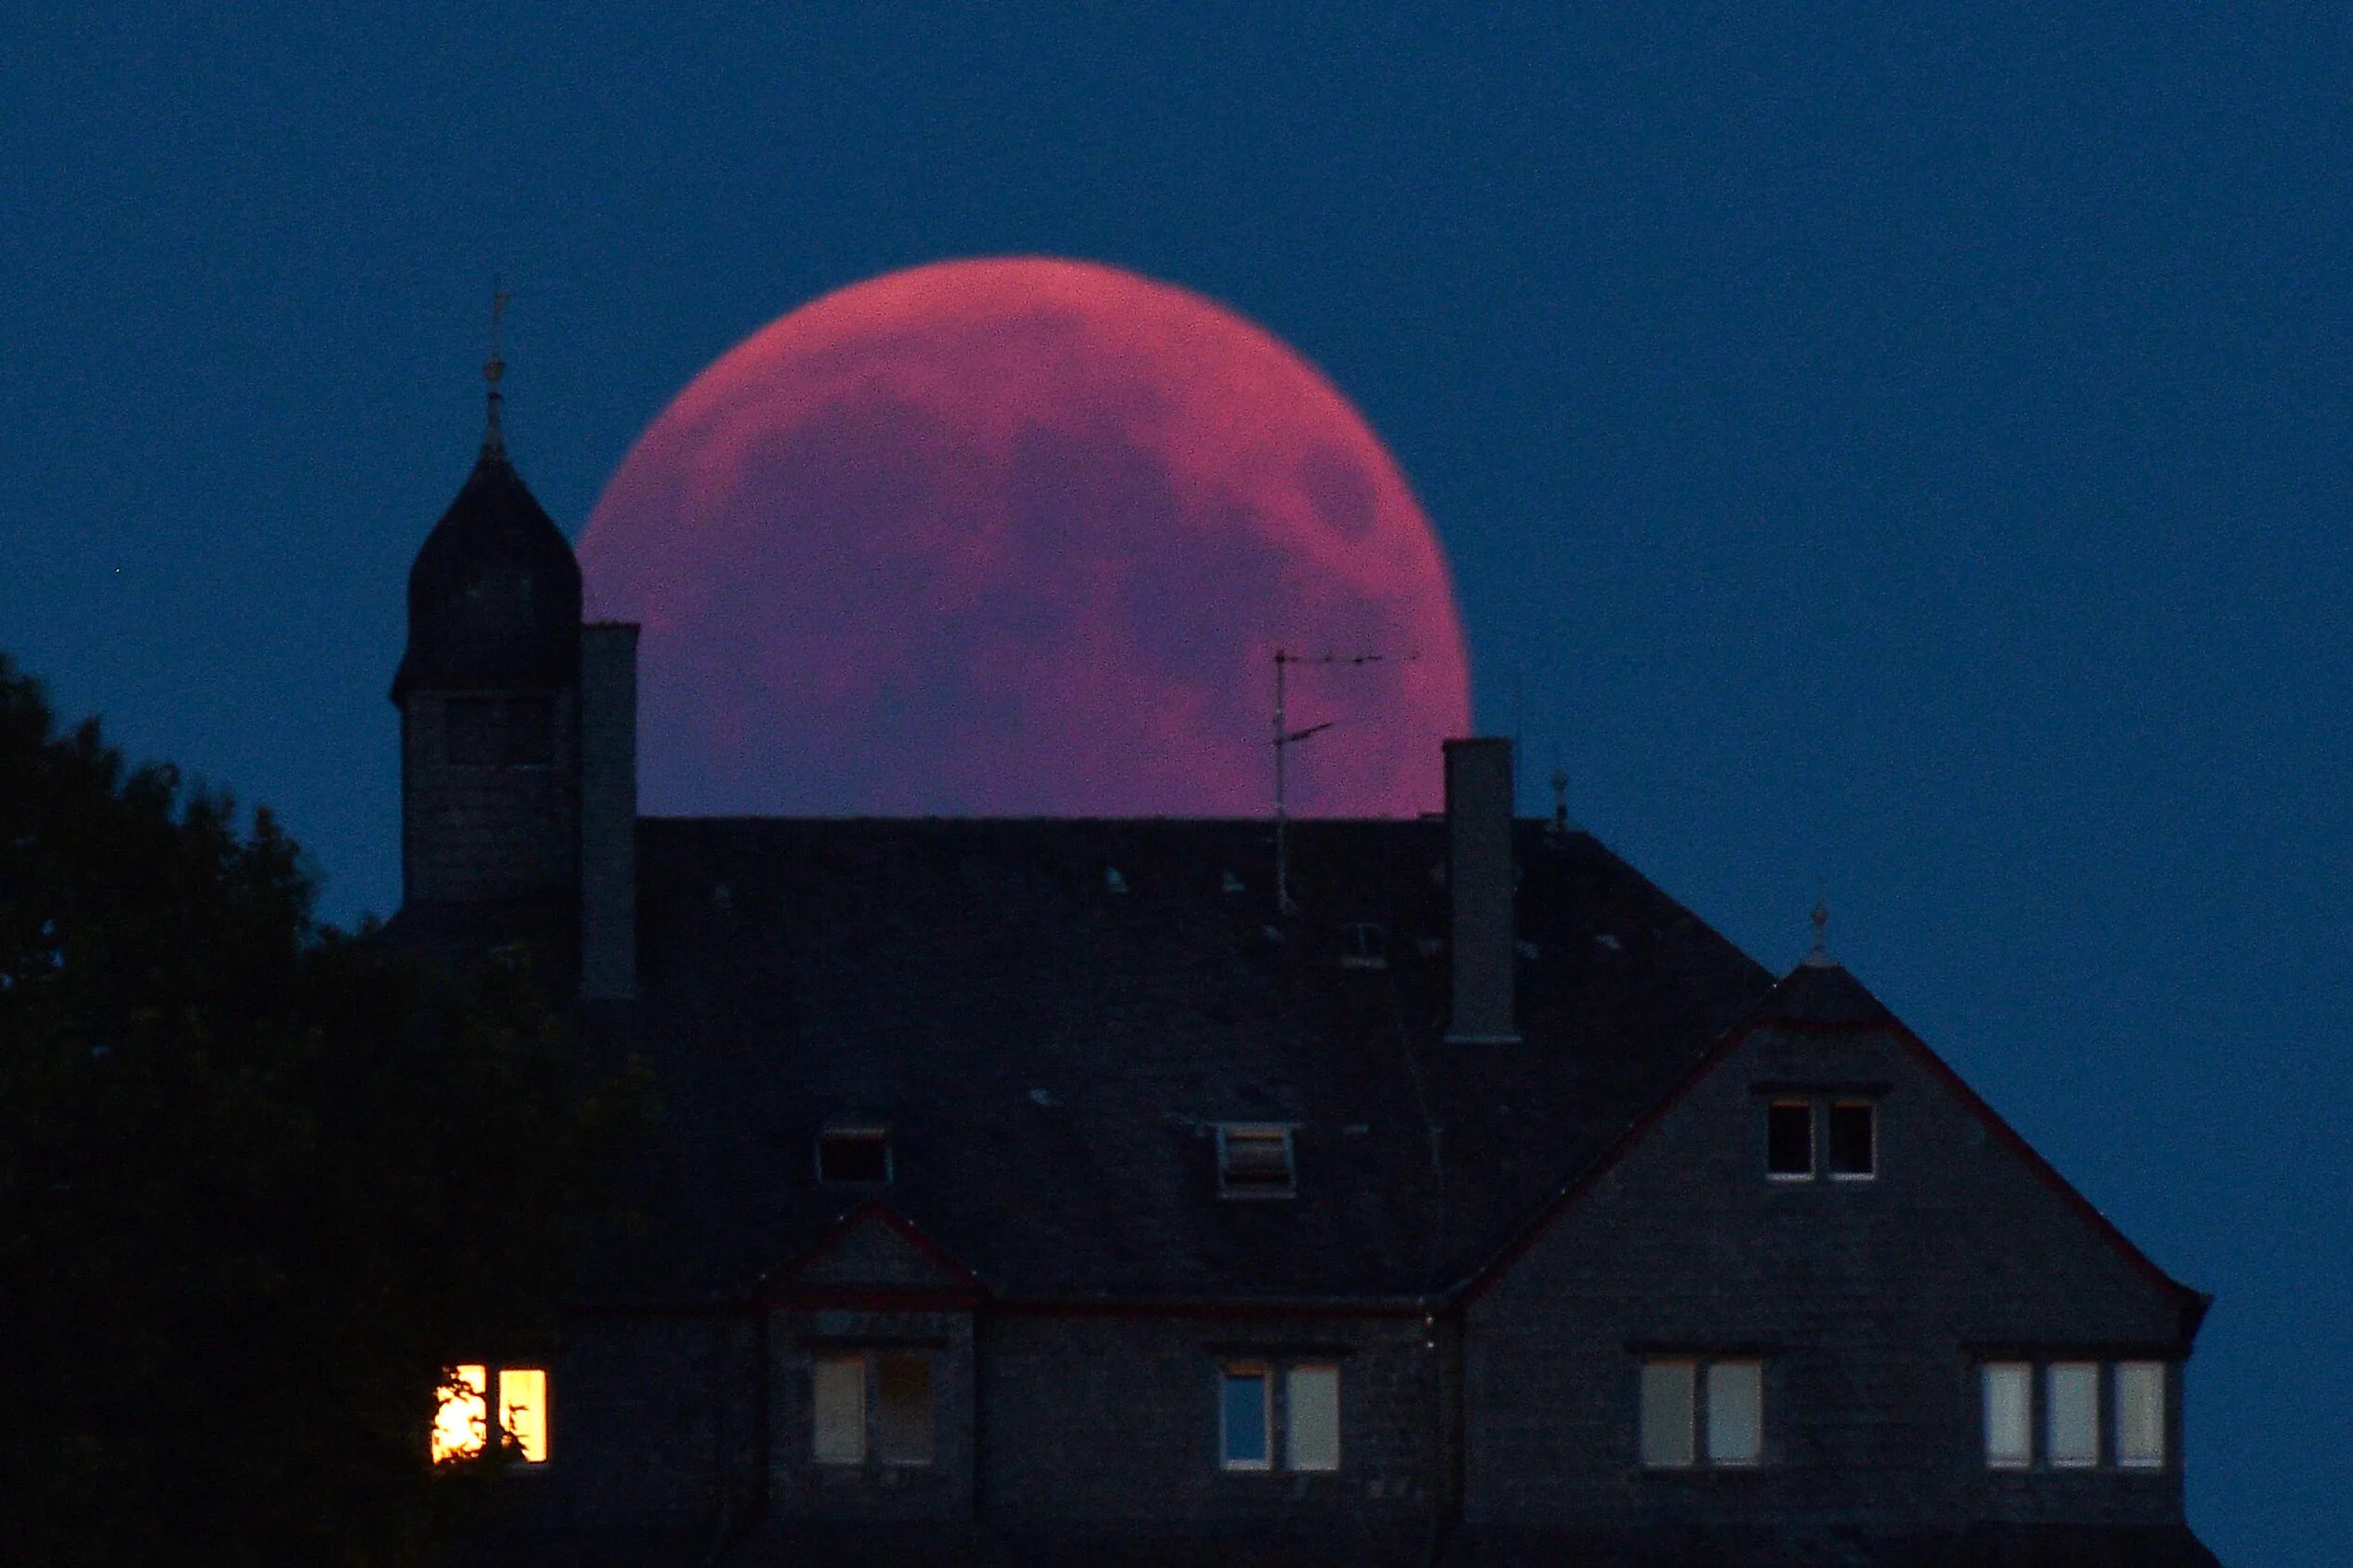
873, 1259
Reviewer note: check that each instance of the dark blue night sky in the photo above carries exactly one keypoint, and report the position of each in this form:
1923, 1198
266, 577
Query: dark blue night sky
1897, 456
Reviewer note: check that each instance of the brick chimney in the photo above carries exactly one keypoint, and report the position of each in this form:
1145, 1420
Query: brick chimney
608, 810
1480, 880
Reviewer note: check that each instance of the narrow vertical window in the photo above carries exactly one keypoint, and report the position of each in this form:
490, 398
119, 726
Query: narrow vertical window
1736, 1412
2140, 1414
461, 1423
1311, 1418
837, 1409
1668, 1388
1244, 1418
902, 1409
1853, 1141
1789, 1140
2009, 1415
2072, 1436
523, 1412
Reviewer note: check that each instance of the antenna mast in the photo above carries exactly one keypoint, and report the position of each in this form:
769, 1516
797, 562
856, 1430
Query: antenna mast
1284, 738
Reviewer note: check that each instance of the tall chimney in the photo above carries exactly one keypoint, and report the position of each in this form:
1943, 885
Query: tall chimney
1479, 881
608, 810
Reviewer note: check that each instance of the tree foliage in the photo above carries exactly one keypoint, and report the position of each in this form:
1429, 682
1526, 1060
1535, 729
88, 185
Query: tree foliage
260, 1181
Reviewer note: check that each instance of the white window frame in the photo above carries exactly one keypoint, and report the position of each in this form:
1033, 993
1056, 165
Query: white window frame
859, 1133
2007, 1457
1870, 1114
2089, 1374
861, 1444
1813, 1138
1696, 1424
872, 1448
1229, 1372
1292, 1457
2129, 1455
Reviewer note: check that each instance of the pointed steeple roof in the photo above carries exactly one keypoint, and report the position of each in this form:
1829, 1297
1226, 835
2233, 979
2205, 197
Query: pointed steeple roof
494, 597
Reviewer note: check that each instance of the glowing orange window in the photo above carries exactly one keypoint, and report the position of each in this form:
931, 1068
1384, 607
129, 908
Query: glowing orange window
462, 1420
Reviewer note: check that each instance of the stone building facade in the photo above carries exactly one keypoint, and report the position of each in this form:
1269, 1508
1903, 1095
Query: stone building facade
1049, 1190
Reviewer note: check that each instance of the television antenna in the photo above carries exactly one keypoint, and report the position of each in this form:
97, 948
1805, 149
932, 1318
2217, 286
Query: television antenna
1284, 738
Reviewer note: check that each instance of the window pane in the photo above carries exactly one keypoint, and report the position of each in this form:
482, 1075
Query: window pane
903, 1386
862, 1155
2140, 1413
838, 1389
2009, 1424
460, 1424
1667, 1387
522, 1411
1789, 1140
1243, 1420
1851, 1150
1312, 1435
2074, 1436
1735, 1412
1256, 1159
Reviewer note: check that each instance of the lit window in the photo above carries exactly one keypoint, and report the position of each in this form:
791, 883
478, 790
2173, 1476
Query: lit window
854, 1156
1669, 1389
1736, 1412
1311, 1418
1789, 1140
2009, 1414
2072, 1390
1254, 1161
1245, 1415
462, 1419
894, 1424
1854, 1153
2140, 1414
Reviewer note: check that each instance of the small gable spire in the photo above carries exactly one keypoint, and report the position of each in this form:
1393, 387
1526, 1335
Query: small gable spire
1819, 956
494, 440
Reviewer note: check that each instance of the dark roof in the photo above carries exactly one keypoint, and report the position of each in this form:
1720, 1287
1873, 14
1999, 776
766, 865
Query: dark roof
494, 597
1051, 1049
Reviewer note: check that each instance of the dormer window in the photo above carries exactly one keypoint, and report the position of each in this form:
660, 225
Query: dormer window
1364, 946
1789, 1140
854, 1156
1853, 1141
1253, 1161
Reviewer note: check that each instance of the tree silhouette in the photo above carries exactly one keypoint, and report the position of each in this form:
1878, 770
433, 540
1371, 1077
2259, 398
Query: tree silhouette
260, 1182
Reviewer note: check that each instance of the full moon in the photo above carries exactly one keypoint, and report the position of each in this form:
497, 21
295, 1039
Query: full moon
1023, 536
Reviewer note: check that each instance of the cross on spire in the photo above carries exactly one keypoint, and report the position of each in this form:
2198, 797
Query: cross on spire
494, 439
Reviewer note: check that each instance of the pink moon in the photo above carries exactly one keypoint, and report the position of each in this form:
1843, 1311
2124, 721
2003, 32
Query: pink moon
1021, 537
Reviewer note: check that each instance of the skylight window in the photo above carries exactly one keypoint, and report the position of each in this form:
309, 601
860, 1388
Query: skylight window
1253, 1161
854, 1156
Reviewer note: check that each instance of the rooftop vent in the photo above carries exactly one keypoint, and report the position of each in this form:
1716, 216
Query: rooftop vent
854, 1156
1253, 1161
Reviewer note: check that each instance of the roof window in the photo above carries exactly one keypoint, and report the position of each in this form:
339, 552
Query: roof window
854, 1156
1253, 1161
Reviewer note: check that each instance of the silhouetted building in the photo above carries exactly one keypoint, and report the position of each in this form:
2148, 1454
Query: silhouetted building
1045, 1191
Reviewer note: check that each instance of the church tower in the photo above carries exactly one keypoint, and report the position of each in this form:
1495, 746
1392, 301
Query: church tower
489, 699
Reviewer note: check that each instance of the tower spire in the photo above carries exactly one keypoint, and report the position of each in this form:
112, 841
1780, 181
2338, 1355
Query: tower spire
494, 440
1819, 956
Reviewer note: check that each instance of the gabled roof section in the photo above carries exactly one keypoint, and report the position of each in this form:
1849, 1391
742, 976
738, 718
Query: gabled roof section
873, 1257
1052, 1051
1820, 996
